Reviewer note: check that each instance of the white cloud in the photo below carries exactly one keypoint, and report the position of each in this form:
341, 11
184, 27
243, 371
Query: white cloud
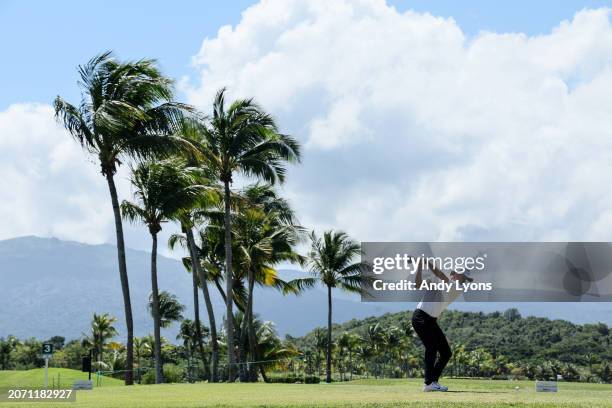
415, 131
412, 130
47, 187
50, 187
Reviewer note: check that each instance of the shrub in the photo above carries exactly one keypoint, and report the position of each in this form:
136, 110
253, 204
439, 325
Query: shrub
172, 374
292, 379
397, 373
284, 379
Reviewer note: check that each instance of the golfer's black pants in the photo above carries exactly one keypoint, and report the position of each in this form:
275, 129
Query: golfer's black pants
437, 351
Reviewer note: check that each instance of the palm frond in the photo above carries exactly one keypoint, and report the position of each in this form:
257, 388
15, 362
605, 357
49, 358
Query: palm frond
177, 240
74, 121
132, 212
297, 286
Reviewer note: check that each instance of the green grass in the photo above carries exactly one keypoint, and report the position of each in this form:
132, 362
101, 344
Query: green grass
362, 393
35, 378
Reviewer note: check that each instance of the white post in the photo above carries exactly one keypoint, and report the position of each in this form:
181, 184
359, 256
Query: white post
46, 371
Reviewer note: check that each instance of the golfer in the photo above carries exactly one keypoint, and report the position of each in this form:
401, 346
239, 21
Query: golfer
425, 323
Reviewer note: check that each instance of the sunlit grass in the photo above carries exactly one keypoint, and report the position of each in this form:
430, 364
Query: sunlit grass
361, 393
34, 378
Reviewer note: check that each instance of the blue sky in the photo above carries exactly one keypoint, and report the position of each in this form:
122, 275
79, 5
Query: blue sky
42, 41
457, 121
415, 128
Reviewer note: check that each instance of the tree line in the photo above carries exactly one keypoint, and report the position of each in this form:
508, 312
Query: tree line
495, 345
377, 347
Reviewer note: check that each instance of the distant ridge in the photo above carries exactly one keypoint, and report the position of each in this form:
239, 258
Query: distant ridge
52, 287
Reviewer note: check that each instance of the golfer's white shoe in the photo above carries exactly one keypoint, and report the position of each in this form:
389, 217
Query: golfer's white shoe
443, 388
434, 386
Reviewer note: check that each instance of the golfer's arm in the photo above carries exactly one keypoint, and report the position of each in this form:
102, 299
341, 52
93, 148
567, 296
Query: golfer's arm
418, 277
438, 272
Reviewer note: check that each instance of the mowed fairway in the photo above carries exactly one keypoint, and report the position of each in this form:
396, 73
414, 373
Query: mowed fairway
34, 378
363, 393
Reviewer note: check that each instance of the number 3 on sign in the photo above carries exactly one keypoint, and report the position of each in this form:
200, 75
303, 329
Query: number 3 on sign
47, 349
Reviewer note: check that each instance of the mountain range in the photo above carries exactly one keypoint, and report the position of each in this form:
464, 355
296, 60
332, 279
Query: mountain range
52, 287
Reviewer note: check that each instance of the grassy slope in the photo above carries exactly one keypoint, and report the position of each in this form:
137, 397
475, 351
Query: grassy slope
35, 378
364, 393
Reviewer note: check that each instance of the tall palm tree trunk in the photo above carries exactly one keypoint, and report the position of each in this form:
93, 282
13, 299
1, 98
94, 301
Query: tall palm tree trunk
196, 302
251, 328
263, 374
196, 317
123, 276
329, 335
242, 346
221, 291
159, 375
247, 332
138, 362
214, 337
229, 280
195, 267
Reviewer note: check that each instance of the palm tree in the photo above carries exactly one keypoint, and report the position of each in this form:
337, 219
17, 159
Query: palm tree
243, 139
320, 344
193, 269
161, 190
331, 261
102, 330
351, 344
198, 263
265, 234
591, 359
188, 218
269, 349
458, 353
375, 337
189, 334
366, 352
126, 112
343, 346
142, 348
406, 344
170, 309
117, 355
194, 265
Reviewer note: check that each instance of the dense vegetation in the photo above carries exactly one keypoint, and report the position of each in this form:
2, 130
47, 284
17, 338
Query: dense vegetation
500, 345
495, 345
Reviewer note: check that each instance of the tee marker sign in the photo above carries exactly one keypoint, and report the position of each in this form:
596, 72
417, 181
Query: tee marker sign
47, 349
47, 352
546, 386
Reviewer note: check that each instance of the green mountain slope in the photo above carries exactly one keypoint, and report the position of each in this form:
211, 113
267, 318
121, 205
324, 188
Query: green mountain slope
502, 333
